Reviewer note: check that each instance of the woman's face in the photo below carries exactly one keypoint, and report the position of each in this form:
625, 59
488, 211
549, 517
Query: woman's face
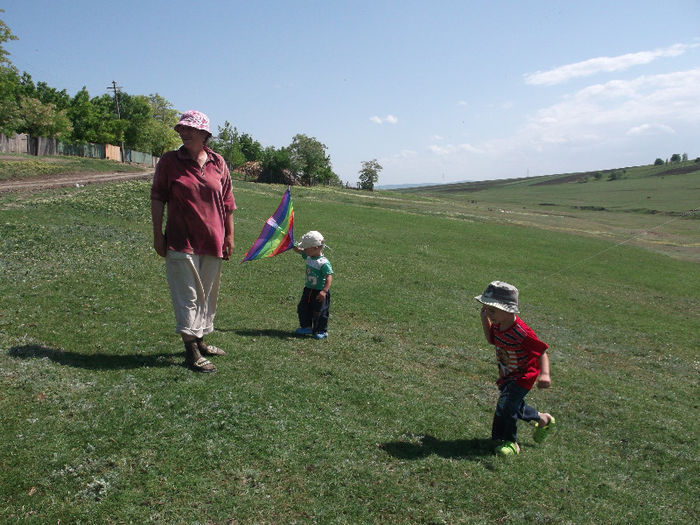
192, 138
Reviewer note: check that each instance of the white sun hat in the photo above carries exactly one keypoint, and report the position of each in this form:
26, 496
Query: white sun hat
311, 240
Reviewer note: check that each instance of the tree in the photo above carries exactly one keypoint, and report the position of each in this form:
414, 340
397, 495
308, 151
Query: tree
659, 162
9, 85
10, 121
369, 174
161, 127
275, 163
93, 119
49, 95
251, 149
675, 157
136, 111
227, 144
309, 158
5, 36
43, 120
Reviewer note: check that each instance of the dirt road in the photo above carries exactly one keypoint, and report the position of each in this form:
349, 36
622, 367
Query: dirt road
57, 181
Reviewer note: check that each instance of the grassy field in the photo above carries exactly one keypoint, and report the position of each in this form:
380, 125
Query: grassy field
388, 420
15, 166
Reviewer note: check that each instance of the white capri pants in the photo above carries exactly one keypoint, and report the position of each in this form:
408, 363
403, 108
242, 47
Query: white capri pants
194, 287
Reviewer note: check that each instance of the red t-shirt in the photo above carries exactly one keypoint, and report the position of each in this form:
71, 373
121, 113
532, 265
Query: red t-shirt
198, 201
518, 350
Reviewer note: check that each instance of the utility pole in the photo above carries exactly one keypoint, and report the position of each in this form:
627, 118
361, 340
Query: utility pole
116, 89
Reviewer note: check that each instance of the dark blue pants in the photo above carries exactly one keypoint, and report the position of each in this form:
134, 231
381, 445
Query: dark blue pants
511, 406
312, 312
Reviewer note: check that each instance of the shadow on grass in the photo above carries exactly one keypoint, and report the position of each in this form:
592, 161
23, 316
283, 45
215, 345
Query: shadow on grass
454, 449
279, 334
94, 361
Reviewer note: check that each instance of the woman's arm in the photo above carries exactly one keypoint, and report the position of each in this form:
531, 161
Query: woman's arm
157, 208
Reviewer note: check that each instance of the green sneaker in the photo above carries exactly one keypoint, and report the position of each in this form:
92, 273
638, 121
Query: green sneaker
507, 448
541, 432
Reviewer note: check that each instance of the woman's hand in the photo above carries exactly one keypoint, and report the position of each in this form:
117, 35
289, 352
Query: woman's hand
228, 247
159, 244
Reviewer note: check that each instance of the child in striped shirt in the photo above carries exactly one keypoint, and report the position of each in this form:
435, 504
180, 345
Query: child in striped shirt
522, 359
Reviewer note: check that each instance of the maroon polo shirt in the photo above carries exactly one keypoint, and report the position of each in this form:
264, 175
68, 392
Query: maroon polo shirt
198, 201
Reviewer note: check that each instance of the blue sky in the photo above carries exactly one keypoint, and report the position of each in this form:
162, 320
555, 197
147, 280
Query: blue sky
437, 91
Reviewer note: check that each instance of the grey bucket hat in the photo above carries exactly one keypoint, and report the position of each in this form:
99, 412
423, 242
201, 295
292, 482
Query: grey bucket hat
500, 295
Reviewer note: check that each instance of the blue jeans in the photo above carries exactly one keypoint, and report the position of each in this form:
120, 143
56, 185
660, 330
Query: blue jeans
313, 313
511, 406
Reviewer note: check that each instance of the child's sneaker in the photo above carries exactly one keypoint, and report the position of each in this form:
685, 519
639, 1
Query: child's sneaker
320, 335
508, 448
303, 331
542, 432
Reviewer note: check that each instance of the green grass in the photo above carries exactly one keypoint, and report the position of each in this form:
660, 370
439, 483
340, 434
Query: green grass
647, 207
388, 420
27, 166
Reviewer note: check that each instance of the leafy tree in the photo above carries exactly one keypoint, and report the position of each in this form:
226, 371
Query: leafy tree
49, 95
9, 85
164, 117
659, 162
10, 121
274, 163
136, 111
369, 174
94, 119
236, 148
227, 144
5, 36
251, 149
309, 158
675, 157
43, 120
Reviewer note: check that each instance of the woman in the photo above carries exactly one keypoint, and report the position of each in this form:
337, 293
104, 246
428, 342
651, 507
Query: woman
195, 183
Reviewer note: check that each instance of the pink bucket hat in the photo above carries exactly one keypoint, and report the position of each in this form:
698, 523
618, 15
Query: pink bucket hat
194, 119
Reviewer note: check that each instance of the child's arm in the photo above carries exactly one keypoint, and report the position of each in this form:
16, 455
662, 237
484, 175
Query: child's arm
322, 294
486, 324
544, 381
296, 248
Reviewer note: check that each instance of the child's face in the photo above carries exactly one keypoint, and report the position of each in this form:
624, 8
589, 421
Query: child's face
314, 251
498, 316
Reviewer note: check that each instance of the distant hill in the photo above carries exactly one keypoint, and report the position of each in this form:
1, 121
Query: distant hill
633, 172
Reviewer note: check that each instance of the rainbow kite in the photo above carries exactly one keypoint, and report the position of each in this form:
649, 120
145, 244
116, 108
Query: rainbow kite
277, 235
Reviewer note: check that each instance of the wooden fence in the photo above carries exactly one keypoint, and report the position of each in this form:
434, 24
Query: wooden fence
40, 146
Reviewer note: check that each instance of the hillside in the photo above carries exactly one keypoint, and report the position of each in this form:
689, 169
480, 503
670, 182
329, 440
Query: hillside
655, 207
636, 172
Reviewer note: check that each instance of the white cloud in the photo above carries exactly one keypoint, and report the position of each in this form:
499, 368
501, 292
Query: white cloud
651, 129
592, 66
619, 106
449, 149
461, 103
600, 125
389, 119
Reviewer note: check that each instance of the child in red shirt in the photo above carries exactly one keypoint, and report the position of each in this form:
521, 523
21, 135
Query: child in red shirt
522, 358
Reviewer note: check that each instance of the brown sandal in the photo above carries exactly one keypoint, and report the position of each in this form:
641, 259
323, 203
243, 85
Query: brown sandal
202, 365
206, 349
195, 361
